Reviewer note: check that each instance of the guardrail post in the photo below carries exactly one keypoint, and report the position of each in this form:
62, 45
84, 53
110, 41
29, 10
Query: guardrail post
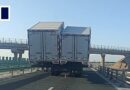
104, 71
116, 74
23, 70
103, 60
101, 69
108, 71
123, 75
111, 75
98, 68
12, 72
31, 69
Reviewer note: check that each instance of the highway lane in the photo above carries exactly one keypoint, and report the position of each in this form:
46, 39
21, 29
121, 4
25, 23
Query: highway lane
89, 81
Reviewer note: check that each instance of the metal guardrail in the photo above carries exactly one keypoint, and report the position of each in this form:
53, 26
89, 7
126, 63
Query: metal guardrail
14, 41
103, 47
127, 77
5, 73
115, 74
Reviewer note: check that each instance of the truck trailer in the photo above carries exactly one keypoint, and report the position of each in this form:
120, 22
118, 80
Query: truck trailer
43, 39
74, 50
62, 50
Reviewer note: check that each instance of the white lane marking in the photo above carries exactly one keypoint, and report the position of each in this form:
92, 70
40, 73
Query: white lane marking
51, 88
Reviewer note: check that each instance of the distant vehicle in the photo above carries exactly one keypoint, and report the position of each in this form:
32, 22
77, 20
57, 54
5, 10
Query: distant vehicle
64, 50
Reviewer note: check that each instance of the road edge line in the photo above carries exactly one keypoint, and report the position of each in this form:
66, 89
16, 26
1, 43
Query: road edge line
106, 79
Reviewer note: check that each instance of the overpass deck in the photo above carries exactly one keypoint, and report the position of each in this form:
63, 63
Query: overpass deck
13, 43
99, 49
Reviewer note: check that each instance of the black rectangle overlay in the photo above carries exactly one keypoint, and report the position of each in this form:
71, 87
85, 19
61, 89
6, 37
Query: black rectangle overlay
4, 13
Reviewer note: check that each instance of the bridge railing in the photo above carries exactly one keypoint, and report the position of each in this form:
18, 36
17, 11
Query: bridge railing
116, 75
17, 41
103, 47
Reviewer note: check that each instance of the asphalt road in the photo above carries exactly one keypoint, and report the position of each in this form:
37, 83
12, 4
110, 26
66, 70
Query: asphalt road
43, 81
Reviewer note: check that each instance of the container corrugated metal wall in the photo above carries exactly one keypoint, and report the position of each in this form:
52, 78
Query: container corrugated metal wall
43, 44
75, 46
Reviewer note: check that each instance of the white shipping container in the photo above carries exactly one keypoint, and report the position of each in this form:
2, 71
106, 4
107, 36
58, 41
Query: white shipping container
43, 41
75, 44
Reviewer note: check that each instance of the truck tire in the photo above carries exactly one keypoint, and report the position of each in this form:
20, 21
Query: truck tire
55, 69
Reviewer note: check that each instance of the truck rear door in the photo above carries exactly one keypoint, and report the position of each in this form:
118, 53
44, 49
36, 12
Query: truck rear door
35, 46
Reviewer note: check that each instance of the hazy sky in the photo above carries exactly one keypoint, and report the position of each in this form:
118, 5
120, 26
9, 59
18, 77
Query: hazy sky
108, 19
